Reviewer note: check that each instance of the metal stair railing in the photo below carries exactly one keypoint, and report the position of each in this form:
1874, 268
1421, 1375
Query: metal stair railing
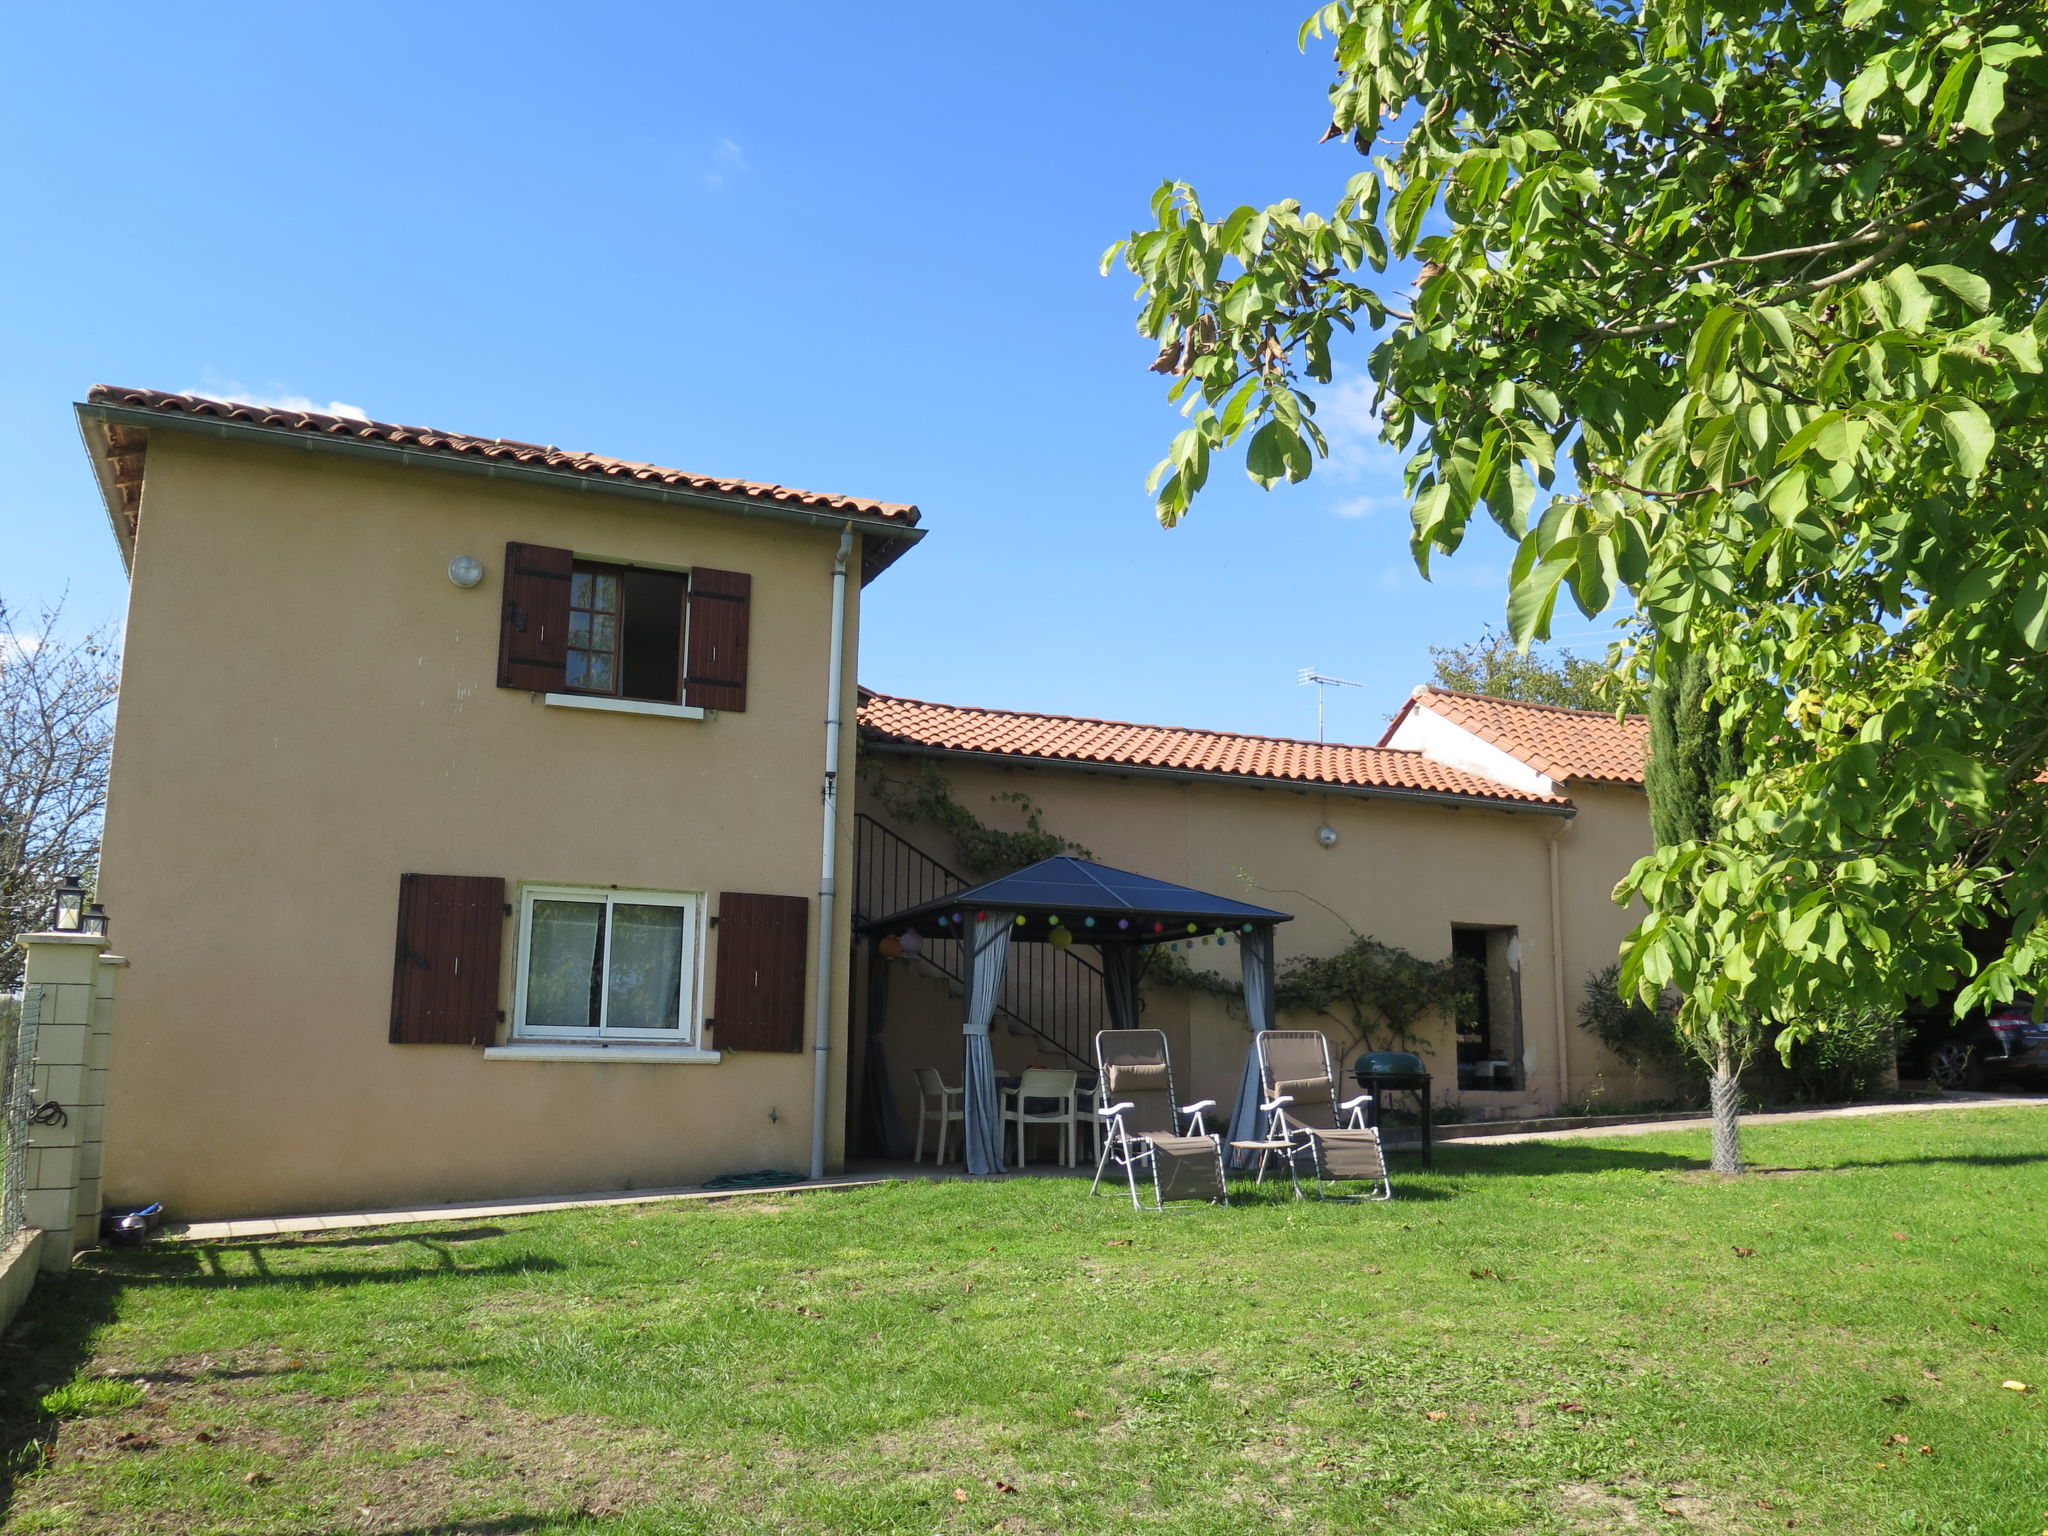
1054, 994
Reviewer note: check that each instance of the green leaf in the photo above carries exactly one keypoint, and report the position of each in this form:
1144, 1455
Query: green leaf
2030, 612
1915, 302
1711, 341
1967, 286
1969, 433
1277, 453
1987, 100
1533, 599
1863, 90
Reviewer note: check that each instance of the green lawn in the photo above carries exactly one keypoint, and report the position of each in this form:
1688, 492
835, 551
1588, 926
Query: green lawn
1572, 1337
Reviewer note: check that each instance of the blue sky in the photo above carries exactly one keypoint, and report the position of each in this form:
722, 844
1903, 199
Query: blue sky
845, 248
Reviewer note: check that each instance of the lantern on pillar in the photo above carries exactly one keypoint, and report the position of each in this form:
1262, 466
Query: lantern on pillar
95, 920
67, 914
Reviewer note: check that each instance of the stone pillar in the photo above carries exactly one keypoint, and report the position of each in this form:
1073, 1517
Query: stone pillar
68, 998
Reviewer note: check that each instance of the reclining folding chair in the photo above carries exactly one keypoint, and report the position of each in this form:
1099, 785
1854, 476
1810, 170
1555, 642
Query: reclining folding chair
1298, 1083
1146, 1129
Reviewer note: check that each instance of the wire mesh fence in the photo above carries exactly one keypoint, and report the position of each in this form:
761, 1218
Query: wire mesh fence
18, 1016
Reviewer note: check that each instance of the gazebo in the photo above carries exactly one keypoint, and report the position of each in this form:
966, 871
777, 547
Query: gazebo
1064, 901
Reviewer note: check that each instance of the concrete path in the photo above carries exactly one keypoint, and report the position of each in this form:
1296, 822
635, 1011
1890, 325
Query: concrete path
883, 1173
1777, 1117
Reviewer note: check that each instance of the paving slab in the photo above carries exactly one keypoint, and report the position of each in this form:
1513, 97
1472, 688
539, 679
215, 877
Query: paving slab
1769, 1117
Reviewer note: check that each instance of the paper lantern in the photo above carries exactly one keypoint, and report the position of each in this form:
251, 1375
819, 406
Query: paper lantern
1159, 927
911, 943
1062, 938
1191, 927
981, 917
890, 947
1123, 922
1020, 919
1089, 921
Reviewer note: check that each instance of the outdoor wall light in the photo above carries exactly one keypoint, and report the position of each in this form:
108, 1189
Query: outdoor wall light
95, 921
465, 571
69, 910
1327, 836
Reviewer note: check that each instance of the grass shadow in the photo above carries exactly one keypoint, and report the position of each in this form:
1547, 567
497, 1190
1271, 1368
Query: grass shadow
55, 1334
52, 1337
1524, 1159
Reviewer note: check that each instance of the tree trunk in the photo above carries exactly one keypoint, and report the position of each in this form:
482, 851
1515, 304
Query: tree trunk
1725, 1089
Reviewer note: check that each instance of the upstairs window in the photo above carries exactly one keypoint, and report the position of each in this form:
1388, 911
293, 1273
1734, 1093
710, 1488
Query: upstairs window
626, 632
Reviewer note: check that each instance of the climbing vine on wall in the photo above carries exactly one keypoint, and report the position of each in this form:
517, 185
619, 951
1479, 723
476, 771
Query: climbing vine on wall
980, 849
1376, 991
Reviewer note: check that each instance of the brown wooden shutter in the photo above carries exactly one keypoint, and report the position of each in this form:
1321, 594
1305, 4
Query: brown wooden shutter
444, 986
715, 655
533, 634
762, 943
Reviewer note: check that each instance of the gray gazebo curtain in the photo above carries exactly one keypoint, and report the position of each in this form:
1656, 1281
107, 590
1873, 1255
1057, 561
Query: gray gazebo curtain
1121, 967
988, 953
1255, 950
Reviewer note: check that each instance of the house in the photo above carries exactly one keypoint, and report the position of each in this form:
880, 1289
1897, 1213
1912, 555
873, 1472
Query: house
467, 809
480, 826
1486, 828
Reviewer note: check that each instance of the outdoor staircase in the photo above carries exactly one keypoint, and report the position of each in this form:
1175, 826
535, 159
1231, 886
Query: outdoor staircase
1054, 994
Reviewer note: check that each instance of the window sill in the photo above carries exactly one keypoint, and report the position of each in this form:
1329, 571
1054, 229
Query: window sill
622, 706
664, 1055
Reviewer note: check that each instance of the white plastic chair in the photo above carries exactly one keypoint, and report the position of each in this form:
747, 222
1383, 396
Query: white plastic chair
1046, 1083
935, 1101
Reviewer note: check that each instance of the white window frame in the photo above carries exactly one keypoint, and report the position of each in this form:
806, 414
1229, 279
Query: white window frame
689, 1011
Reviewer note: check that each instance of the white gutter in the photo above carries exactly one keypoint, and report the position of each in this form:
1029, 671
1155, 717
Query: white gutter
1557, 988
828, 878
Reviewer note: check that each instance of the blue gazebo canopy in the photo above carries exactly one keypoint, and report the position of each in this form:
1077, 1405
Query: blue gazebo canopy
1100, 904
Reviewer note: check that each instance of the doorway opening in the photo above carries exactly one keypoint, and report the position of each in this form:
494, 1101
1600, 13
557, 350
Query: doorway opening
1490, 1035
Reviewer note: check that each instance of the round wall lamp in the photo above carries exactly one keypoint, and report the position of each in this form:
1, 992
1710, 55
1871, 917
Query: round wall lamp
1327, 835
465, 571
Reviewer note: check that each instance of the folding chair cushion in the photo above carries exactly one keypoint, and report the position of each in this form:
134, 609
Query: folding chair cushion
1127, 1078
1305, 1091
1147, 1088
1349, 1154
1189, 1167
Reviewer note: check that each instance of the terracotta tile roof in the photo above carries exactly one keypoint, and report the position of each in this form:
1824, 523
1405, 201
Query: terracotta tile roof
127, 445
891, 721
1561, 744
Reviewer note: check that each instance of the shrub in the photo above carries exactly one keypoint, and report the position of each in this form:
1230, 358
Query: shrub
1645, 1038
1849, 1056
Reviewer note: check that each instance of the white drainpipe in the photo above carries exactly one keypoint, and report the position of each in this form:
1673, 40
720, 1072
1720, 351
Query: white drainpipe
1557, 987
828, 878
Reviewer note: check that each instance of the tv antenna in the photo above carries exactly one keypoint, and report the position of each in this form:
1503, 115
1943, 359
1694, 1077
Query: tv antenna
1309, 675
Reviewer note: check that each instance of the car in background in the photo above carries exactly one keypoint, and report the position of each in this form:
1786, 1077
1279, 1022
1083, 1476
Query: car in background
2008, 1044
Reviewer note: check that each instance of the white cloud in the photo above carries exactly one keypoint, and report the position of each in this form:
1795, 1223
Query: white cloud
727, 160
232, 395
1365, 506
19, 647
1358, 459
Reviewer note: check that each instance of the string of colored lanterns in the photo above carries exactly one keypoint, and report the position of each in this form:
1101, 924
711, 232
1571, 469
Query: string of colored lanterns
1061, 934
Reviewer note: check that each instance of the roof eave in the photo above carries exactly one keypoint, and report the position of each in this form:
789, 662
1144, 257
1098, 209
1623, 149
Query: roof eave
882, 542
1254, 781
97, 449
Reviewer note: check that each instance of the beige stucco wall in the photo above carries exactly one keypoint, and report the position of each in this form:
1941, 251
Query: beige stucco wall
1403, 872
308, 711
